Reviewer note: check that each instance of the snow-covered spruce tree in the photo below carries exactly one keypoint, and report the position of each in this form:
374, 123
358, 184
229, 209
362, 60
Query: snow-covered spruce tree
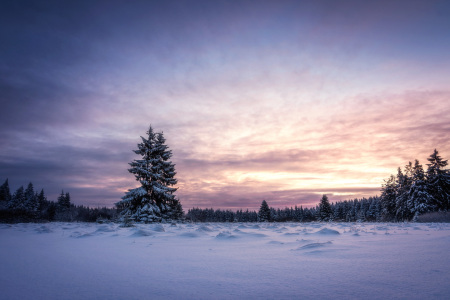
264, 212
63, 202
325, 212
419, 200
154, 200
438, 180
63, 208
404, 182
41, 198
371, 214
31, 201
388, 199
17, 201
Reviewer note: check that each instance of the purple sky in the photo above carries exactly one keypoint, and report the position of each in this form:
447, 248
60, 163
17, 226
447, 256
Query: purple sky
275, 100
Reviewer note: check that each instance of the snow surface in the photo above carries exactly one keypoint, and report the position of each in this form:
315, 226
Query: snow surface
225, 261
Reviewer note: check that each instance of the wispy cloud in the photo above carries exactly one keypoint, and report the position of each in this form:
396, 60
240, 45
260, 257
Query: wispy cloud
340, 152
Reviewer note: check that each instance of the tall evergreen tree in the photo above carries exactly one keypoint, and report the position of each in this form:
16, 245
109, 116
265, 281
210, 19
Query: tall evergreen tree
388, 199
299, 213
63, 208
17, 201
419, 200
438, 180
403, 186
31, 201
264, 212
63, 202
154, 200
325, 213
371, 214
67, 200
42, 199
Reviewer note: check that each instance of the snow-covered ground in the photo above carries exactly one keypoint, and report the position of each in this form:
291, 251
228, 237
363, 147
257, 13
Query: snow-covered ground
225, 261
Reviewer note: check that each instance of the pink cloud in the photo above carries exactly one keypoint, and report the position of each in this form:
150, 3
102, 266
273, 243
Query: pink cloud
350, 150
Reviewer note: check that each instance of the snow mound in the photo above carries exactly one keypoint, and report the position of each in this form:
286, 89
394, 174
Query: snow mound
328, 231
250, 234
189, 235
315, 225
70, 226
105, 228
304, 241
314, 245
204, 228
77, 234
381, 228
139, 232
225, 235
158, 228
291, 233
43, 229
256, 235
275, 243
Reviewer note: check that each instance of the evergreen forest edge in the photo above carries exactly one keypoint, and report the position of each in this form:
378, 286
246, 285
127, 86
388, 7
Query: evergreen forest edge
406, 196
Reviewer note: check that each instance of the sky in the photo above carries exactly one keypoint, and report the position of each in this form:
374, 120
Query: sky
280, 101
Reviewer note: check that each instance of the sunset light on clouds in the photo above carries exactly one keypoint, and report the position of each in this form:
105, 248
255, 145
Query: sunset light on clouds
275, 100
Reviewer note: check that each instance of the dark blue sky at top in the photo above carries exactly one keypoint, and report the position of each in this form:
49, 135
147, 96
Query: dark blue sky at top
80, 81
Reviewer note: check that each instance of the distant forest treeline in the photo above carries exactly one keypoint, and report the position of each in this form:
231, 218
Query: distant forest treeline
345, 211
404, 197
409, 194
26, 205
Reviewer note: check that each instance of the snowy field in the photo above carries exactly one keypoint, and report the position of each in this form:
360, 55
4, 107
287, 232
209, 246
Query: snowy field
225, 261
